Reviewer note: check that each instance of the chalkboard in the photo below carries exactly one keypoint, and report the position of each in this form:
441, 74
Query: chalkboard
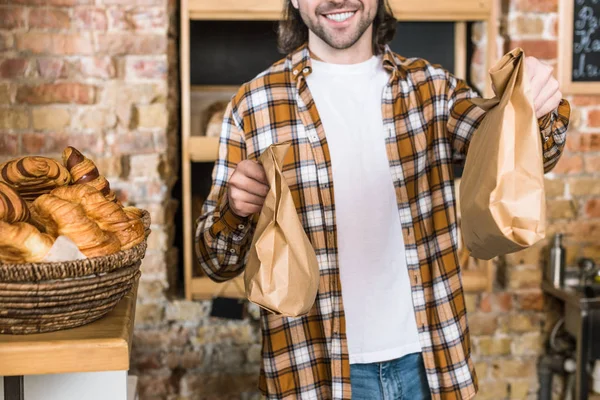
586, 41
579, 46
233, 52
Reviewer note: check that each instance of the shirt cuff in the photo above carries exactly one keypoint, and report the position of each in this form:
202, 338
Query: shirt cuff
233, 222
562, 113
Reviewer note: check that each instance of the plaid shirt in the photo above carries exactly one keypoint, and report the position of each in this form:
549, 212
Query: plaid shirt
428, 120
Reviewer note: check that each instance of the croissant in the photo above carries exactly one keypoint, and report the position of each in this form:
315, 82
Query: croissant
33, 176
108, 215
133, 212
83, 170
22, 243
62, 217
12, 206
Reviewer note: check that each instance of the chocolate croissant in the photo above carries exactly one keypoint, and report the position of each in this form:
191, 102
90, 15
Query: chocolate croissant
61, 217
23, 243
83, 170
108, 215
33, 176
12, 206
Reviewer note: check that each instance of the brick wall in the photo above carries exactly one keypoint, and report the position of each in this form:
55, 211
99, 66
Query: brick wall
101, 75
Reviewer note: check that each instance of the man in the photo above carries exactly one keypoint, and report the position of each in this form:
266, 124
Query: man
382, 130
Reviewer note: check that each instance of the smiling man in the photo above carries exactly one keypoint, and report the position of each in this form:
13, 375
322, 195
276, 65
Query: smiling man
379, 131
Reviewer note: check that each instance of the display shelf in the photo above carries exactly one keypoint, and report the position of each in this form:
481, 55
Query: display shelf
203, 149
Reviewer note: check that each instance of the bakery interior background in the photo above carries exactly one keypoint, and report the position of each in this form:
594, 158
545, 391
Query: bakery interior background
104, 76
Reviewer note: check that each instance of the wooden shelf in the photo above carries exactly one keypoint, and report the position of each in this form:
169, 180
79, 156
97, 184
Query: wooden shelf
103, 345
204, 288
404, 10
203, 149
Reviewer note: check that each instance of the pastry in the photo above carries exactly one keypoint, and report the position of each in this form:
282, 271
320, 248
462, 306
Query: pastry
33, 176
108, 215
22, 243
133, 212
62, 217
12, 206
83, 170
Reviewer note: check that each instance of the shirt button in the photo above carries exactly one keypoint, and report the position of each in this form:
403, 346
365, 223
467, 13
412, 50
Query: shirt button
305, 70
241, 226
232, 251
295, 72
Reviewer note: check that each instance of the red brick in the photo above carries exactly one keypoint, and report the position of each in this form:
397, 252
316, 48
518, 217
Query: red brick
13, 68
592, 208
9, 144
90, 18
131, 44
543, 49
569, 164
138, 2
583, 141
147, 19
51, 68
97, 67
55, 143
55, 43
57, 3
6, 42
57, 93
533, 301
594, 118
542, 6
44, 18
494, 302
12, 18
134, 143
592, 163
136, 68
585, 100
117, 20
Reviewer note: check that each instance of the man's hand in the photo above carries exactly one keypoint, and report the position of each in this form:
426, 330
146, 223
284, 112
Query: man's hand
544, 87
248, 188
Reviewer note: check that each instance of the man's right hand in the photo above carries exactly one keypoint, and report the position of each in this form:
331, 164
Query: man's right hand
247, 188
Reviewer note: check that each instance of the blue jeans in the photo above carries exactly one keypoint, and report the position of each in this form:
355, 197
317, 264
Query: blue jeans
400, 379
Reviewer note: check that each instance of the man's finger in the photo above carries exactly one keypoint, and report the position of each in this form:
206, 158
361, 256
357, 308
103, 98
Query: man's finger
256, 171
550, 105
250, 185
240, 196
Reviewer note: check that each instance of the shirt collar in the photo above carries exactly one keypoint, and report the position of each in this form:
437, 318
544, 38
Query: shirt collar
301, 62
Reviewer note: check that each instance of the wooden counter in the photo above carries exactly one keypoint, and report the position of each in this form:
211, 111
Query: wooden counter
103, 345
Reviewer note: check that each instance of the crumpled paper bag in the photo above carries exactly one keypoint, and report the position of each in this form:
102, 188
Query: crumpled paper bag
502, 198
282, 272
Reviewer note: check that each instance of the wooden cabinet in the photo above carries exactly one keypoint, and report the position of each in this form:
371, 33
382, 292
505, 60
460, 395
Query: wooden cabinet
200, 149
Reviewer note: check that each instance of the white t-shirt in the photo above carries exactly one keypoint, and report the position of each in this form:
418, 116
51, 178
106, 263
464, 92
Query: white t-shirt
376, 291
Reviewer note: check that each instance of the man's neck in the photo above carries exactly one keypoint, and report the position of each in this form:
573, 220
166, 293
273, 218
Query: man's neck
361, 51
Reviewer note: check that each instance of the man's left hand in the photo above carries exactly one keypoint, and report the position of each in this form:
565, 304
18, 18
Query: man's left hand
544, 87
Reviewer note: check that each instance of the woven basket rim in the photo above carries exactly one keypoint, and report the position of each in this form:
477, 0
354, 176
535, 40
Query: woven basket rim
39, 272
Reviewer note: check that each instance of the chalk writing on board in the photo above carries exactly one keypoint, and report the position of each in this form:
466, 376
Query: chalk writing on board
586, 40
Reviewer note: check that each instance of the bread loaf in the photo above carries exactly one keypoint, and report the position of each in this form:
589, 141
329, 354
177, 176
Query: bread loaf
33, 176
83, 170
62, 217
108, 215
21, 243
12, 206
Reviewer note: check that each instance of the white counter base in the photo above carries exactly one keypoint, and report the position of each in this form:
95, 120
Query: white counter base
79, 386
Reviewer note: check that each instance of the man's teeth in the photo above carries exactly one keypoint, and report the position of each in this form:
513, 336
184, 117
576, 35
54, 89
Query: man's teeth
340, 16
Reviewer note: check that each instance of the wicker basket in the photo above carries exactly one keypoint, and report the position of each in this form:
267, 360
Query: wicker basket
46, 297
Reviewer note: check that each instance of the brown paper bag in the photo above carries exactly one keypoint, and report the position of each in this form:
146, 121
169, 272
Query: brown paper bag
282, 272
502, 197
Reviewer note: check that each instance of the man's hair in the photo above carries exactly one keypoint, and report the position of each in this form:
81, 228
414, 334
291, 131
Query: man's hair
293, 32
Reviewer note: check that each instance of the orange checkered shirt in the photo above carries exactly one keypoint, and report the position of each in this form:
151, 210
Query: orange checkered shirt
429, 120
